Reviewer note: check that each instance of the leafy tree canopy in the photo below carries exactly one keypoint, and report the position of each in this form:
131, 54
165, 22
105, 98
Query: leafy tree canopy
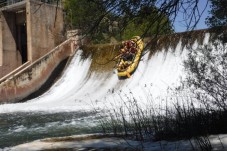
218, 13
123, 18
147, 25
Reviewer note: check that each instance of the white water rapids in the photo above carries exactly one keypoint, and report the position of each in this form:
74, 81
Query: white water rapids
77, 89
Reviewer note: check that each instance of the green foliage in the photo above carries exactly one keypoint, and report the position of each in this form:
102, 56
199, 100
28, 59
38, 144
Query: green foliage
87, 16
218, 13
148, 22
103, 20
82, 14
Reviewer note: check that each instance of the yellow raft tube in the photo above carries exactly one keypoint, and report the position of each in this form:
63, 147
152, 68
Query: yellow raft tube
132, 67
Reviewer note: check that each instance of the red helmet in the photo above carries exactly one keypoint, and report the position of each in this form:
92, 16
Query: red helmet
128, 44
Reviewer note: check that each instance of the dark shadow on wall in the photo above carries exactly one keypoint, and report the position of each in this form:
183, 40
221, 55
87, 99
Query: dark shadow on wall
55, 75
22, 42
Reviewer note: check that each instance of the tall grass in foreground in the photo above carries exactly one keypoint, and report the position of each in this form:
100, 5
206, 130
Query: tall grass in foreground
179, 122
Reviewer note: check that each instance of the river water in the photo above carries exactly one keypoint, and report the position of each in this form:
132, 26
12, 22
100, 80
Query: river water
18, 128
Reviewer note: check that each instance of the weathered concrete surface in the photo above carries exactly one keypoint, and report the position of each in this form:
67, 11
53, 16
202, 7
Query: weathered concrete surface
11, 58
45, 28
34, 76
15, 71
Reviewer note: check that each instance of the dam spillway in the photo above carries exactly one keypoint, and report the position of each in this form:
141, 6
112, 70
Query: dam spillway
80, 89
86, 85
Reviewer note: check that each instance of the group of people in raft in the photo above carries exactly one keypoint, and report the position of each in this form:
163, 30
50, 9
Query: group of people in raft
127, 53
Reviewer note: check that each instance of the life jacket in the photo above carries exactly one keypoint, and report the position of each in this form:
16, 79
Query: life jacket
133, 50
128, 44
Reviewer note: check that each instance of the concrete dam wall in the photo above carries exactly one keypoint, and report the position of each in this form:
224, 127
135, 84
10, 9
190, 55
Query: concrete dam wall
20, 84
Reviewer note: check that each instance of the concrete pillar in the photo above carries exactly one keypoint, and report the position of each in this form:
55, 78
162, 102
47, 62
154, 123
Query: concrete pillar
29, 30
75, 37
1, 44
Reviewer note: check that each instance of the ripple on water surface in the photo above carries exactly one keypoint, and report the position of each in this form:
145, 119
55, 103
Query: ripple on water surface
17, 128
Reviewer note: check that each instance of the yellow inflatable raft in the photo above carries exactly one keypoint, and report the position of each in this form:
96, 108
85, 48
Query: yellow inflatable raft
131, 67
